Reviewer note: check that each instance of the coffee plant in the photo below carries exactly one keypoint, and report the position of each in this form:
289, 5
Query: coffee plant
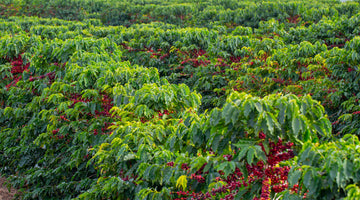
180, 100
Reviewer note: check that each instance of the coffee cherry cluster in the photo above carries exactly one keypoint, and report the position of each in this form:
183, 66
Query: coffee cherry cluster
272, 176
228, 157
356, 113
54, 132
279, 152
185, 166
17, 68
165, 112
50, 75
76, 98
170, 164
184, 195
106, 105
265, 189
198, 178
262, 135
63, 118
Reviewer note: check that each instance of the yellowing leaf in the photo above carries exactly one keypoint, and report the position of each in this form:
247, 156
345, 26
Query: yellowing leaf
181, 182
103, 145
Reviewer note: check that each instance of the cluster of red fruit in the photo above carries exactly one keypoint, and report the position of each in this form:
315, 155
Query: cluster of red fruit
59, 137
76, 98
63, 117
160, 116
106, 105
54, 132
272, 176
192, 58
105, 129
198, 178
265, 189
196, 53
186, 195
196, 62
183, 195
228, 157
165, 112
278, 80
17, 68
185, 166
164, 56
156, 54
235, 59
125, 177
234, 181
50, 75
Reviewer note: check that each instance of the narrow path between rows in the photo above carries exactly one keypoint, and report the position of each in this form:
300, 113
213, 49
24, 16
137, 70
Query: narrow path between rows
4, 192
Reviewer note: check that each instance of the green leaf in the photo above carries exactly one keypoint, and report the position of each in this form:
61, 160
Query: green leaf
198, 162
333, 171
296, 125
222, 166
216, 142
241, 154
281, 115
240, 193
304, 155
232, 165
266, 147
348, 169
230, 168
227, 113
226, 110
215, 117
290, 196
259, 153
217, 184
250, 156
247, 108
270, 122
308, 178
294, 177
235, 116
93, 108
258, 107
227, 167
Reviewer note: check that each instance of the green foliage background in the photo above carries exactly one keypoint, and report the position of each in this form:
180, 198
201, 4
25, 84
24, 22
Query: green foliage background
116, 103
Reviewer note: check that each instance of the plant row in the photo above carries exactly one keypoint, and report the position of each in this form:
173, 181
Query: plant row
155, 111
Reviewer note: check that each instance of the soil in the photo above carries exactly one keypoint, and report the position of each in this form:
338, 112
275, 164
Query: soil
4, 192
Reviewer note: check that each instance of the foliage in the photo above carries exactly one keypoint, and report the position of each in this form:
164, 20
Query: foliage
205, 100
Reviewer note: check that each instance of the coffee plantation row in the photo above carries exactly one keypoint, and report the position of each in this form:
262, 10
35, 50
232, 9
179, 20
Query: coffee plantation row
184, 13
183, 100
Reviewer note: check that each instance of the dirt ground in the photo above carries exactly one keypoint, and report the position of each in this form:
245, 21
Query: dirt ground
4, 192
